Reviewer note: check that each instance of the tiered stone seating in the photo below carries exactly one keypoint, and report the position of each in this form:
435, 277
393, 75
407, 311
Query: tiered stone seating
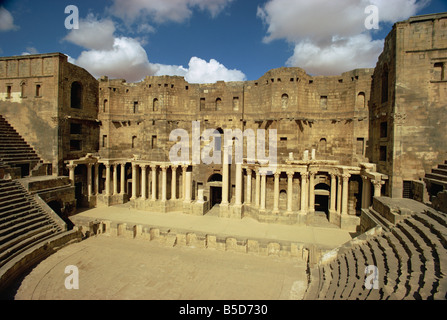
411, 259
13, 148
23, 223
437, 178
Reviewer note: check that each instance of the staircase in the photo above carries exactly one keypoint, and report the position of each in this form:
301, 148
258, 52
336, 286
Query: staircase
411, 260
14, 151
436, 181
23, 223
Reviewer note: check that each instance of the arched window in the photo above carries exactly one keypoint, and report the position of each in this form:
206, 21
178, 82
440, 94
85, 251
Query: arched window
22, 89
322, 145
134, 141
38, 90
105, 105
218, 104
235, 103
284, 101
155, 105
76, 95
361, 100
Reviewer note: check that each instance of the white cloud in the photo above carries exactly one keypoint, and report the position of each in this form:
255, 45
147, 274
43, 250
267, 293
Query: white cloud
200, 71
93, 33
6, 20
161, 11
127, 59
341, 56
330, 36
30, 50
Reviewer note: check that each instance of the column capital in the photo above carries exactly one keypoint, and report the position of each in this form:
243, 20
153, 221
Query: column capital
107, 165
290, 174
345, 176
305, 175
89, 164
72, 165
249, 171
378, 183
163, 167
277, 174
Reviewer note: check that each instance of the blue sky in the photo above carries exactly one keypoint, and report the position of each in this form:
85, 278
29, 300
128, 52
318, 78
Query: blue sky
205, 40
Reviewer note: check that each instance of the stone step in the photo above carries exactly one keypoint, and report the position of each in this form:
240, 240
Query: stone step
428, 269
403, 289
327, 272
415, 264
343, 278
32, 239
14, 218
21, 235
353, 275
440, 171
359, 290
335, 274
435, 176
382, 266
19, 225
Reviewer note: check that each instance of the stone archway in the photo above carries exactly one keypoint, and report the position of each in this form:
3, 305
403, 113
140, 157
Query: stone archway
322, 196
215, 185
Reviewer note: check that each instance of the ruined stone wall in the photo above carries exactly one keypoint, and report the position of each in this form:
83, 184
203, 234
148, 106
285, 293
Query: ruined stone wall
415, 111
29, 100
35, 98
328, 114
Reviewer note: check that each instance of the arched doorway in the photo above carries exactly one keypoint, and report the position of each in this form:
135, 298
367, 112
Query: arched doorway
322, 193
215, 185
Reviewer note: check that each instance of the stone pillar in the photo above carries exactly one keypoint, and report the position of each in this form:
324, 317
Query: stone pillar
225, 183
238, 201
143, 182
163, 183
122, 178
366, 193
154, 182
174, 183
248, 190
289, 190
97, 178
377, 188
311, 191
107, 182
276, 192
89, 179
188, 187
304, 190
134, 181
184, 181
332, 207
71, 174
339, 194
257, 189
115, 179
263, 189
344, 201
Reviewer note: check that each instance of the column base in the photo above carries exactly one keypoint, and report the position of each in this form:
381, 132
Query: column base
334, 217
349, 223
234, 211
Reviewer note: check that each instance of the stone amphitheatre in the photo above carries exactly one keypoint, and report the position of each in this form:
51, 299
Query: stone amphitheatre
344, 199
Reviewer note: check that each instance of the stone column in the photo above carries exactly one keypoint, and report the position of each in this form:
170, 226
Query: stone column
263, 189
238, 201
225, 183
163, 182
97, 178
377, 188
248, 191
122, 178
89, 179
71, 174
154, 182
339, 194
289, 191
366, 192
143, 182
174, 183
304, 190
344, 204
257, 189
311, 191
184, 181
107, 179
276, 192
134, 181
333, 193
115, 179
188, 181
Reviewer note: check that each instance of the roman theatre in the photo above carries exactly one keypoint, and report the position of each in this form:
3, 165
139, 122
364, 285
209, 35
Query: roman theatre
313, 179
